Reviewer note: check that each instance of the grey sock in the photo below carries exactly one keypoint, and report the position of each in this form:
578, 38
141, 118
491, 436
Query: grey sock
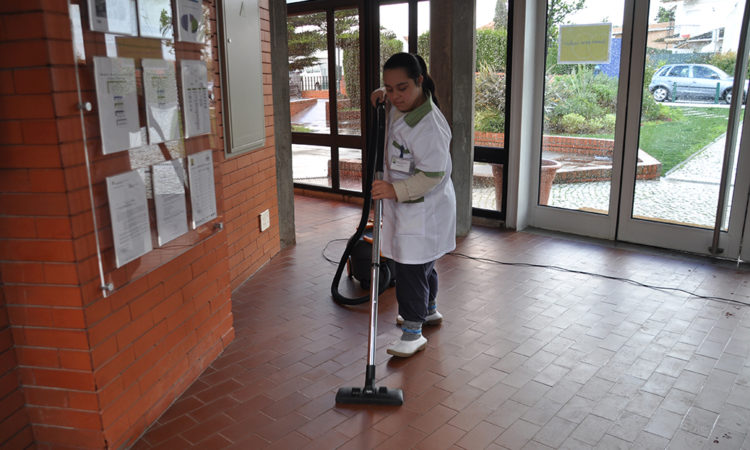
411, 330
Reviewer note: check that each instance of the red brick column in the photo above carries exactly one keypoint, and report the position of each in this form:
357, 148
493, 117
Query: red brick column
95, 372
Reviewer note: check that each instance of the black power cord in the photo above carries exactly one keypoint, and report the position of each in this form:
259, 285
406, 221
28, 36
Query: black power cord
580, 272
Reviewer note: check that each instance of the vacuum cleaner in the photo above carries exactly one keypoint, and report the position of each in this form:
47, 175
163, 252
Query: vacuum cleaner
369, 394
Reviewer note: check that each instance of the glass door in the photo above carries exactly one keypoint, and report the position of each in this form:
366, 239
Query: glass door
325, 96
644, 147
681, 162
579, 160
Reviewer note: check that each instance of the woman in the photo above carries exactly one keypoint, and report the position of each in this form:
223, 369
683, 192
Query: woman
419, 203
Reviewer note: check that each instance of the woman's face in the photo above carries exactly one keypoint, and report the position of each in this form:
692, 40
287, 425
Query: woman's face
402, 91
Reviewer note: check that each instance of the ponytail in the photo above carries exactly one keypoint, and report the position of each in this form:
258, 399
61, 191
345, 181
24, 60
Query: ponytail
415, 67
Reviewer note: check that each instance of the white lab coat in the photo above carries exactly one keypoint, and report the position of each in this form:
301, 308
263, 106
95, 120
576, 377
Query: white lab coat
423, 230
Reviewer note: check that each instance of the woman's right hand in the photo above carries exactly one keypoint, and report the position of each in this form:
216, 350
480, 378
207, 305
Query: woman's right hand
377, 96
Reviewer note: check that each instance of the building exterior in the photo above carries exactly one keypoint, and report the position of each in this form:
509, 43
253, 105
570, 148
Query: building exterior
705, 25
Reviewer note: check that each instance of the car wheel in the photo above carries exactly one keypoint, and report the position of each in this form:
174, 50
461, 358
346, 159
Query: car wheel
728, 96
660, 94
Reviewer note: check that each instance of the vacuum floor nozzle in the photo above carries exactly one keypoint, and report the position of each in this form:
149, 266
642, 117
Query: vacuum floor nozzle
378, 396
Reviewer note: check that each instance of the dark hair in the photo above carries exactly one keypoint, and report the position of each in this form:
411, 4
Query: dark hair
414, 66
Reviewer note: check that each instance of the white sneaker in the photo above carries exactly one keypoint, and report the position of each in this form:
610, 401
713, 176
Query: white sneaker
432, 319
405, 349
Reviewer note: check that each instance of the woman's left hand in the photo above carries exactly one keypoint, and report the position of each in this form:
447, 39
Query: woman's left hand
382, 190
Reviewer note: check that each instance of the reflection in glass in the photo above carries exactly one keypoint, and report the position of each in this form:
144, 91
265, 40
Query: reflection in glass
685, 115
347, 72
311, 165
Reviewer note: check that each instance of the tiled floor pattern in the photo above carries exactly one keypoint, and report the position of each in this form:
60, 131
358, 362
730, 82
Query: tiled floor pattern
526, 358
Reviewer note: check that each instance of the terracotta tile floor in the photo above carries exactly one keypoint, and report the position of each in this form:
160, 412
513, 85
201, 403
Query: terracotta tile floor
526, 358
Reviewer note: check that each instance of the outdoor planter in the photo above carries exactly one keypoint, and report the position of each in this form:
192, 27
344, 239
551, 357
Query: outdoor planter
546, 177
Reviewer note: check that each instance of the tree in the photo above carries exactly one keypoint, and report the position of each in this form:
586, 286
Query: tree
423, 47
665, 15
306, 34
557, 11
501, 15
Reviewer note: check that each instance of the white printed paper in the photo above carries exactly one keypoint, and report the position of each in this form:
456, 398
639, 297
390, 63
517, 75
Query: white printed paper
117, 102
113, 16
169, 200
155, 18
190, 21
194, 76
79, 51
202, 189
128, 210
162, 106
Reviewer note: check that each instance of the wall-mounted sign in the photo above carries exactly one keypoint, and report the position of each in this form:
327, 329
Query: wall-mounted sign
169, 199
584, 44
128, 210
155, 18
162, 105
202, 189
117, 102
190, 26
113, 16
194, 76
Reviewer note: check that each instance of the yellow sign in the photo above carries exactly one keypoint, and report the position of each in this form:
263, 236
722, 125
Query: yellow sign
584, 44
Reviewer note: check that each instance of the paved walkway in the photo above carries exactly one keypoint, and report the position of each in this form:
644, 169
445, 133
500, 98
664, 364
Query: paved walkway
687, 194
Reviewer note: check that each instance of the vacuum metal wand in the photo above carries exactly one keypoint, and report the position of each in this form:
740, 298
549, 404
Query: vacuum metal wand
375, 276
370, 394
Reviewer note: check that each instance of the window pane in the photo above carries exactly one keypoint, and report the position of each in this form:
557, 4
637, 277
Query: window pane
684, 118
350, 169
311, 164
308, 72
489, 99
580, 107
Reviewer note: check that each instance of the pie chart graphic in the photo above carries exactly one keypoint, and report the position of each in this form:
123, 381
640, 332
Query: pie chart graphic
189, 23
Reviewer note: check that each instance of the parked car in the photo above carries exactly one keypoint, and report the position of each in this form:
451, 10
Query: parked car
674, 81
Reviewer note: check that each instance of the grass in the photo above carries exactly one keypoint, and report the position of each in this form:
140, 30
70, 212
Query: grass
300, 129
675, 141
672, 142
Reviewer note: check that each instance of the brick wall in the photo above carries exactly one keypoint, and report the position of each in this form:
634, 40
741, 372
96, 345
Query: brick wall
97, 371
15, 429
250, 187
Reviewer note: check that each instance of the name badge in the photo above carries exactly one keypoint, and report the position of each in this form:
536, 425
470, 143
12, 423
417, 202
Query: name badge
401, 164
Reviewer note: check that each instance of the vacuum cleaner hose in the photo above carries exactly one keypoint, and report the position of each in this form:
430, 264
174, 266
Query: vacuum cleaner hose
374, 162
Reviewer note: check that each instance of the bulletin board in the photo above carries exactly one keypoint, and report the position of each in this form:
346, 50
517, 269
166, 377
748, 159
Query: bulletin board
147, 81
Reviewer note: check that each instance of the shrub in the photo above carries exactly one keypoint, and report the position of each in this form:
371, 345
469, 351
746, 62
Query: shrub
489, 121
580, 95
489, 101
609, 122
574, 123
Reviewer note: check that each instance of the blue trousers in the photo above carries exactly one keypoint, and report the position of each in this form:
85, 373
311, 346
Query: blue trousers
416, 287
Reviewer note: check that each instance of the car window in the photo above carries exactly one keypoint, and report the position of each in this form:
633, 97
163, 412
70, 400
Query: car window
662, 71
704, 72
680, 71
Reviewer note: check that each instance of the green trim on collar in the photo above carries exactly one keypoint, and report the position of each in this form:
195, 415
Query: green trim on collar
413, 117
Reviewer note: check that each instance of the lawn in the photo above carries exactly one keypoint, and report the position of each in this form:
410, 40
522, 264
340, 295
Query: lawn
672, 142
675, 141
